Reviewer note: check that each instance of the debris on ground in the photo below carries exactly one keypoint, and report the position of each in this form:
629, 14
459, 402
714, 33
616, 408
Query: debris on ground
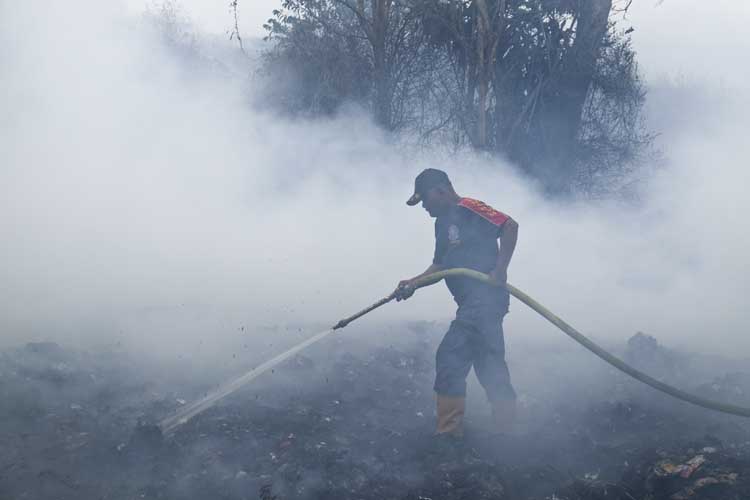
342, 422
646, 354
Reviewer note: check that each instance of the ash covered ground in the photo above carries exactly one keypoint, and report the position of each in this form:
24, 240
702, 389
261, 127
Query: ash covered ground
352, 418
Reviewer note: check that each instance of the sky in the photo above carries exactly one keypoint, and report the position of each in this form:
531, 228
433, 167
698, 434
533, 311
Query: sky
144, 202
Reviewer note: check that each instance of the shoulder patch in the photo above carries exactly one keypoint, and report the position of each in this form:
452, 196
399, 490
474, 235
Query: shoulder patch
483, 210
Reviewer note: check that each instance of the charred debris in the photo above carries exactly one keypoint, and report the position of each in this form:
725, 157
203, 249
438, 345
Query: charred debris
354, 421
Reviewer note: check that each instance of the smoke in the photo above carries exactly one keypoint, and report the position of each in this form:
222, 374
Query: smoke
144, 201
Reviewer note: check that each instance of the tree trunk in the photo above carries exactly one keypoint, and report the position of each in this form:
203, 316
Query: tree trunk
483, 42
382, 101
563, 102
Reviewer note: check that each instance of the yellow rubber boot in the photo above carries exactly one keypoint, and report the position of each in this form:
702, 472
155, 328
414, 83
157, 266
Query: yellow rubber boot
450, 415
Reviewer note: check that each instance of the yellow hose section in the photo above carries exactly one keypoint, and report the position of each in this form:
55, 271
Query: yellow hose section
588, 344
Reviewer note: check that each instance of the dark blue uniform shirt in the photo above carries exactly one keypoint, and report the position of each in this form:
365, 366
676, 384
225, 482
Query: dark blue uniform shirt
467, 237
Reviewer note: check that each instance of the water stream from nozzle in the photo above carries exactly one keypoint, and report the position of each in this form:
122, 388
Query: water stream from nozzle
169, 424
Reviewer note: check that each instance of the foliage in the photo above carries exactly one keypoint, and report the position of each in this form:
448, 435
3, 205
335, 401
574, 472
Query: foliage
552, 85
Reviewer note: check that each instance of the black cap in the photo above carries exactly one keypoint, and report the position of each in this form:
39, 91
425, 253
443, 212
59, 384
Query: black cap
426, 180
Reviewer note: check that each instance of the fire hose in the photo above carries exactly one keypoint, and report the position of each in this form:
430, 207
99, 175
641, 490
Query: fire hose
169, 424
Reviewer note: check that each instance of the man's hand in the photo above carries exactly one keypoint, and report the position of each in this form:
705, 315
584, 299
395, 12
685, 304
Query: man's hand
404, 290
499, 276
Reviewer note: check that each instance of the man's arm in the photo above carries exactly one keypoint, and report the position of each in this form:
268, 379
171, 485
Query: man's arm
432, 269
508, 240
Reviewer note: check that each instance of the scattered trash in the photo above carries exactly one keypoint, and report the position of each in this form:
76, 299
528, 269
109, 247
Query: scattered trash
690, 491
667, 468
591, 476
361, 434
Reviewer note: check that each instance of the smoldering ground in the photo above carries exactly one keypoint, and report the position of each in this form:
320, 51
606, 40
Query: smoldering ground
149, 209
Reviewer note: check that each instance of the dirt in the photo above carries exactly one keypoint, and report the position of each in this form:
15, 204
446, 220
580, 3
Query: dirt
354, 421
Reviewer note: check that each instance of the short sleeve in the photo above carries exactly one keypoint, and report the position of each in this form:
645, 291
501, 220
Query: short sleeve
494, 220
499, 229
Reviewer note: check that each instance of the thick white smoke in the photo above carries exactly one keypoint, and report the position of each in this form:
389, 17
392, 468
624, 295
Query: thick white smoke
143, 200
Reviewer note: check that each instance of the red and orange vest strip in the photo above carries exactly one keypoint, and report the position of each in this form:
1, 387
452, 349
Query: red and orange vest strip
483, 210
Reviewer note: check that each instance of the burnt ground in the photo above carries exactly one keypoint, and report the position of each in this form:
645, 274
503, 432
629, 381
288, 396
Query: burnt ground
354, 420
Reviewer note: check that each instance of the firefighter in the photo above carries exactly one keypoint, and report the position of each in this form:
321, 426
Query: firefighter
466, 235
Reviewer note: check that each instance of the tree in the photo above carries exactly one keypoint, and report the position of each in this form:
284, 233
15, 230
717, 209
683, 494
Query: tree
350, 50
550, 84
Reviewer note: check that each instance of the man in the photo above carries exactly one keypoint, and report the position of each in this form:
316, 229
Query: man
466, 235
